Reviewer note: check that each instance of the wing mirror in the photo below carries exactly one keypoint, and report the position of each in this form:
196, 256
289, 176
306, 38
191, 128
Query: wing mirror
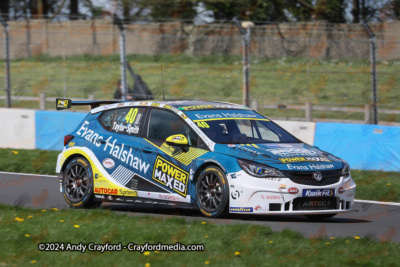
178, 140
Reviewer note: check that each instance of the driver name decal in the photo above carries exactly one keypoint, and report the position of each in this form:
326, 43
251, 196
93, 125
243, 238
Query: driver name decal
171, 176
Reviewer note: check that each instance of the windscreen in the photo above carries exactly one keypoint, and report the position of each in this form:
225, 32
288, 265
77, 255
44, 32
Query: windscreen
239, 127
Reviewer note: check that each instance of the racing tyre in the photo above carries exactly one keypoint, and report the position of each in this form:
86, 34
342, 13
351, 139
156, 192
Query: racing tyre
212, 194
77, 184
320, 217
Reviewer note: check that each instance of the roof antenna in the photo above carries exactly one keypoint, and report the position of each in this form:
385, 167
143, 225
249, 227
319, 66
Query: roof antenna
162, 78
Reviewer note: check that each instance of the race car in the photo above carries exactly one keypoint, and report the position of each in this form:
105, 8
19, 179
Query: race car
215, 156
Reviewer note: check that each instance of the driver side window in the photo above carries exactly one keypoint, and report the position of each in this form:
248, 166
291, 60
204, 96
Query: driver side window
164, 123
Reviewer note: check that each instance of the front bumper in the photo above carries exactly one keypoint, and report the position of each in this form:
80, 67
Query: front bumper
251, 195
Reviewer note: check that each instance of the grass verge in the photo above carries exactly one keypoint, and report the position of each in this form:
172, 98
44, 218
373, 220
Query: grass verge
371, 185
213, 77
24, 229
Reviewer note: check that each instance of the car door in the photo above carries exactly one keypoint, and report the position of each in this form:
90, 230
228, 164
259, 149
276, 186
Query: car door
172, 167
121, 154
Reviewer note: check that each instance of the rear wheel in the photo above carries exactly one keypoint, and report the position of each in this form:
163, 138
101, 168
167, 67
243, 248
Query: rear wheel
212, 192
78, 184
320, 217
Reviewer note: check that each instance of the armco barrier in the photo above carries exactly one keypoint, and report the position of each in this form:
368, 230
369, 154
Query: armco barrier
365, 147
52, 126
17, 128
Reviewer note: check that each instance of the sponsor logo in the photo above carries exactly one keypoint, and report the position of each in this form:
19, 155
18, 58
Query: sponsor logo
109, 191
302, 159
171, 176
279, 145
317, 176
257, 207
129, 193
121, 104
341, 190
248, 150
155, 104
271, 197
318, 192
316, 204
178, 138
231, 145
168, 107
282, 186
82, 161
71, 144
309, 167
168, 197
62, 103
183, 115
196, 107
293, 190
234, 209
320, 166
292, 152
143, 103
222, 116
235, 194
108, 163
126, 156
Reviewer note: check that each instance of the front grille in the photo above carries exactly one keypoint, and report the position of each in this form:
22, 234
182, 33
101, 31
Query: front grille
306, 178
315, 203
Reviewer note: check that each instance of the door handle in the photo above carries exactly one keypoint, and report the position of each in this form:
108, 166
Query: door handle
147, 150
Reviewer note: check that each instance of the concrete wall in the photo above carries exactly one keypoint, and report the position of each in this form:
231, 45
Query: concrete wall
17, 128
304, 131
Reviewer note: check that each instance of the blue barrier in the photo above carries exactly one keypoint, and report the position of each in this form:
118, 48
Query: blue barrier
52, 126
365, 147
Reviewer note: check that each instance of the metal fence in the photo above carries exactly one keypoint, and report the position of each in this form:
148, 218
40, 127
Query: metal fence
316, 64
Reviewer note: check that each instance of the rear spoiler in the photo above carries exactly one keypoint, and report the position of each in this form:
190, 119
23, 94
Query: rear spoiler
63, 103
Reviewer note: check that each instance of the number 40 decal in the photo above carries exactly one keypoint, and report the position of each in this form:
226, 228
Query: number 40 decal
203, 124
131, 116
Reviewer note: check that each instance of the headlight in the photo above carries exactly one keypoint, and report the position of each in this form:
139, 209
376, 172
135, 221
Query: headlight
345, 169
259, 170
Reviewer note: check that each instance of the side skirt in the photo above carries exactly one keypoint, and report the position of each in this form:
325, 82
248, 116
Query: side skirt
146, 201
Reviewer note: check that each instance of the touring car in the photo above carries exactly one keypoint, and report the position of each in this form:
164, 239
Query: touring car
214, 156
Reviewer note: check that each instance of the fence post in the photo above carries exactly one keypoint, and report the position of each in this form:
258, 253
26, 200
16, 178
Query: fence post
308, 109
367, 114
7, 54
42, 101
122, 36
244, 29
91, 97
372, 40
254, 104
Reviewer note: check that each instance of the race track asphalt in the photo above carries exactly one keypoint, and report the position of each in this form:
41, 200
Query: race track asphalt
378, 221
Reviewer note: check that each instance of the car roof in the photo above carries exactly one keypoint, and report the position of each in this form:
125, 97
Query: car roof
175, 105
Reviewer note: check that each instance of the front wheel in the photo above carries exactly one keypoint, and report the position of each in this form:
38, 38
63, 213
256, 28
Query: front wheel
320, 217
212, 192
78, 184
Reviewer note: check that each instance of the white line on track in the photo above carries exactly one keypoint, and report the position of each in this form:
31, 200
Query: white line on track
377, 202
356, 200
16, 173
